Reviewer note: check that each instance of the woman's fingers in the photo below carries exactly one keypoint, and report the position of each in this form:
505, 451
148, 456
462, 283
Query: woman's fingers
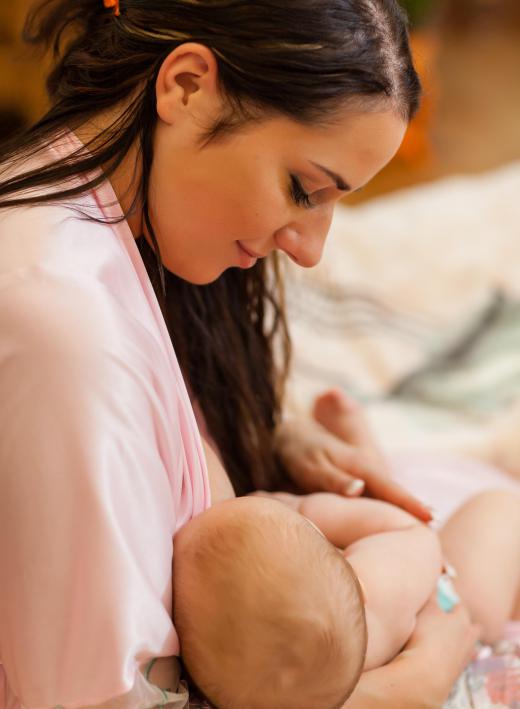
341, 483
344, 417
354, 462
326, 476
317, 460
390, 491
340, 415
304, 448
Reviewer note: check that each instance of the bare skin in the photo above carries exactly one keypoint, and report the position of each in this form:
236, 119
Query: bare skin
343, 416
209, 202
204, 200
485, 534
219, 482
406, 682
442, 640
490, 520
317, 460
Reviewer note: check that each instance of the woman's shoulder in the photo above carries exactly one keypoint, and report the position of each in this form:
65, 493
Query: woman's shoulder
70, 274
75, 332
67, 237
45, 311
73, 234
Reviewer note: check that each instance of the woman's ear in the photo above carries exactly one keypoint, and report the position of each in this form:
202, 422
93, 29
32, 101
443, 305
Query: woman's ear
187, 83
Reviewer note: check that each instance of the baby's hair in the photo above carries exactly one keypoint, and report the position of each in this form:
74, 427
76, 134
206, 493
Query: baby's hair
324, 609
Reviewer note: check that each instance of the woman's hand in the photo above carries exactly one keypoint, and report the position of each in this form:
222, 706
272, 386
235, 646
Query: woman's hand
423, 674
337, 453
442, 645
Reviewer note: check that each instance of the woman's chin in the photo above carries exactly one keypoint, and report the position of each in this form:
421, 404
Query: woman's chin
199, 277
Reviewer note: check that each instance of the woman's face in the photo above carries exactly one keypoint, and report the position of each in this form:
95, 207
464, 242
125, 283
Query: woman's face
257, 191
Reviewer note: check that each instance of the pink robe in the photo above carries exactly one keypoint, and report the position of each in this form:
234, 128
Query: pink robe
100, 462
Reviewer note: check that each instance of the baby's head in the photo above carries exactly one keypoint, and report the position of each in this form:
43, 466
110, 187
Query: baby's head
269, 613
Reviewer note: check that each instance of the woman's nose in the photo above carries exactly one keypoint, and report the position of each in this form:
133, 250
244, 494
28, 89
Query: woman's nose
304, 241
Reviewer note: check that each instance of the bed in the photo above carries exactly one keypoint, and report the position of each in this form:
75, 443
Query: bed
415, 310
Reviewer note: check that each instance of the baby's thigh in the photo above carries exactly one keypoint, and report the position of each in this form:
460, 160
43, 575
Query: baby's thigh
482, 541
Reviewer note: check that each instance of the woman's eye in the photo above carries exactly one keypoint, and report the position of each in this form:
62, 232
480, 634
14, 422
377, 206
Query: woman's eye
298, 193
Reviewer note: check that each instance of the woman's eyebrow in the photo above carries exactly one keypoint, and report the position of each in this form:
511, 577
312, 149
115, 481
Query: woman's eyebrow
340, 182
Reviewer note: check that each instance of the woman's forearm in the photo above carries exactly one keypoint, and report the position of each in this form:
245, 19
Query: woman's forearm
423, 674
397, 685
220, 484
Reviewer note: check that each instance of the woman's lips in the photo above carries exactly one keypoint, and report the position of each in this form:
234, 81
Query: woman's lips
248, 251
247, 258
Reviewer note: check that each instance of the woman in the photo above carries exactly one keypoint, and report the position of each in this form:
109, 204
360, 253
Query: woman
188, 137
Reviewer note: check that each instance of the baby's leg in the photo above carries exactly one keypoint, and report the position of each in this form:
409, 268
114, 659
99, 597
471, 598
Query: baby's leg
482, 541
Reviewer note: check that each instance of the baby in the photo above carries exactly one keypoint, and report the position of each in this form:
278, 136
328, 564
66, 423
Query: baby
272, 615
268, 612
398, 559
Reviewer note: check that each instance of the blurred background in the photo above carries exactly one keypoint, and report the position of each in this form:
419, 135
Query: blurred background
468, 53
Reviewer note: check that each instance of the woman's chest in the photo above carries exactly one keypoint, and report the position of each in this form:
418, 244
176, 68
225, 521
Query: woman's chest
219, 482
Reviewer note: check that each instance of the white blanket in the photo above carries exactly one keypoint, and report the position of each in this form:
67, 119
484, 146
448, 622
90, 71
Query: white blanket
423, 282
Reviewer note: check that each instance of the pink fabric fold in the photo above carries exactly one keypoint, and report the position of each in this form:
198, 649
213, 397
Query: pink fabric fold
100, 460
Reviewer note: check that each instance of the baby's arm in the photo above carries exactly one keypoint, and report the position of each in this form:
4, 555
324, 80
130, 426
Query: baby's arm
345, 520
399, 570
397, 559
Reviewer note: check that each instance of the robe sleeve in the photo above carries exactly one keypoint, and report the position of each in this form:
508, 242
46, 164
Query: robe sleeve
87, 512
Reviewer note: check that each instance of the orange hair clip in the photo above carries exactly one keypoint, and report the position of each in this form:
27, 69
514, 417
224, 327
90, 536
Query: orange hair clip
112, 4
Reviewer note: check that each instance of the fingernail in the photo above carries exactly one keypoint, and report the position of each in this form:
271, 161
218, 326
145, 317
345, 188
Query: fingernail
433, 512
354, 487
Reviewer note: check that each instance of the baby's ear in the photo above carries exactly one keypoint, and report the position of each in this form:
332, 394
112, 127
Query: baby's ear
315, 526
364, 596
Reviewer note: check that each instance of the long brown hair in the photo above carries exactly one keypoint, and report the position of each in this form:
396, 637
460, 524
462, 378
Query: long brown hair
303, 59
